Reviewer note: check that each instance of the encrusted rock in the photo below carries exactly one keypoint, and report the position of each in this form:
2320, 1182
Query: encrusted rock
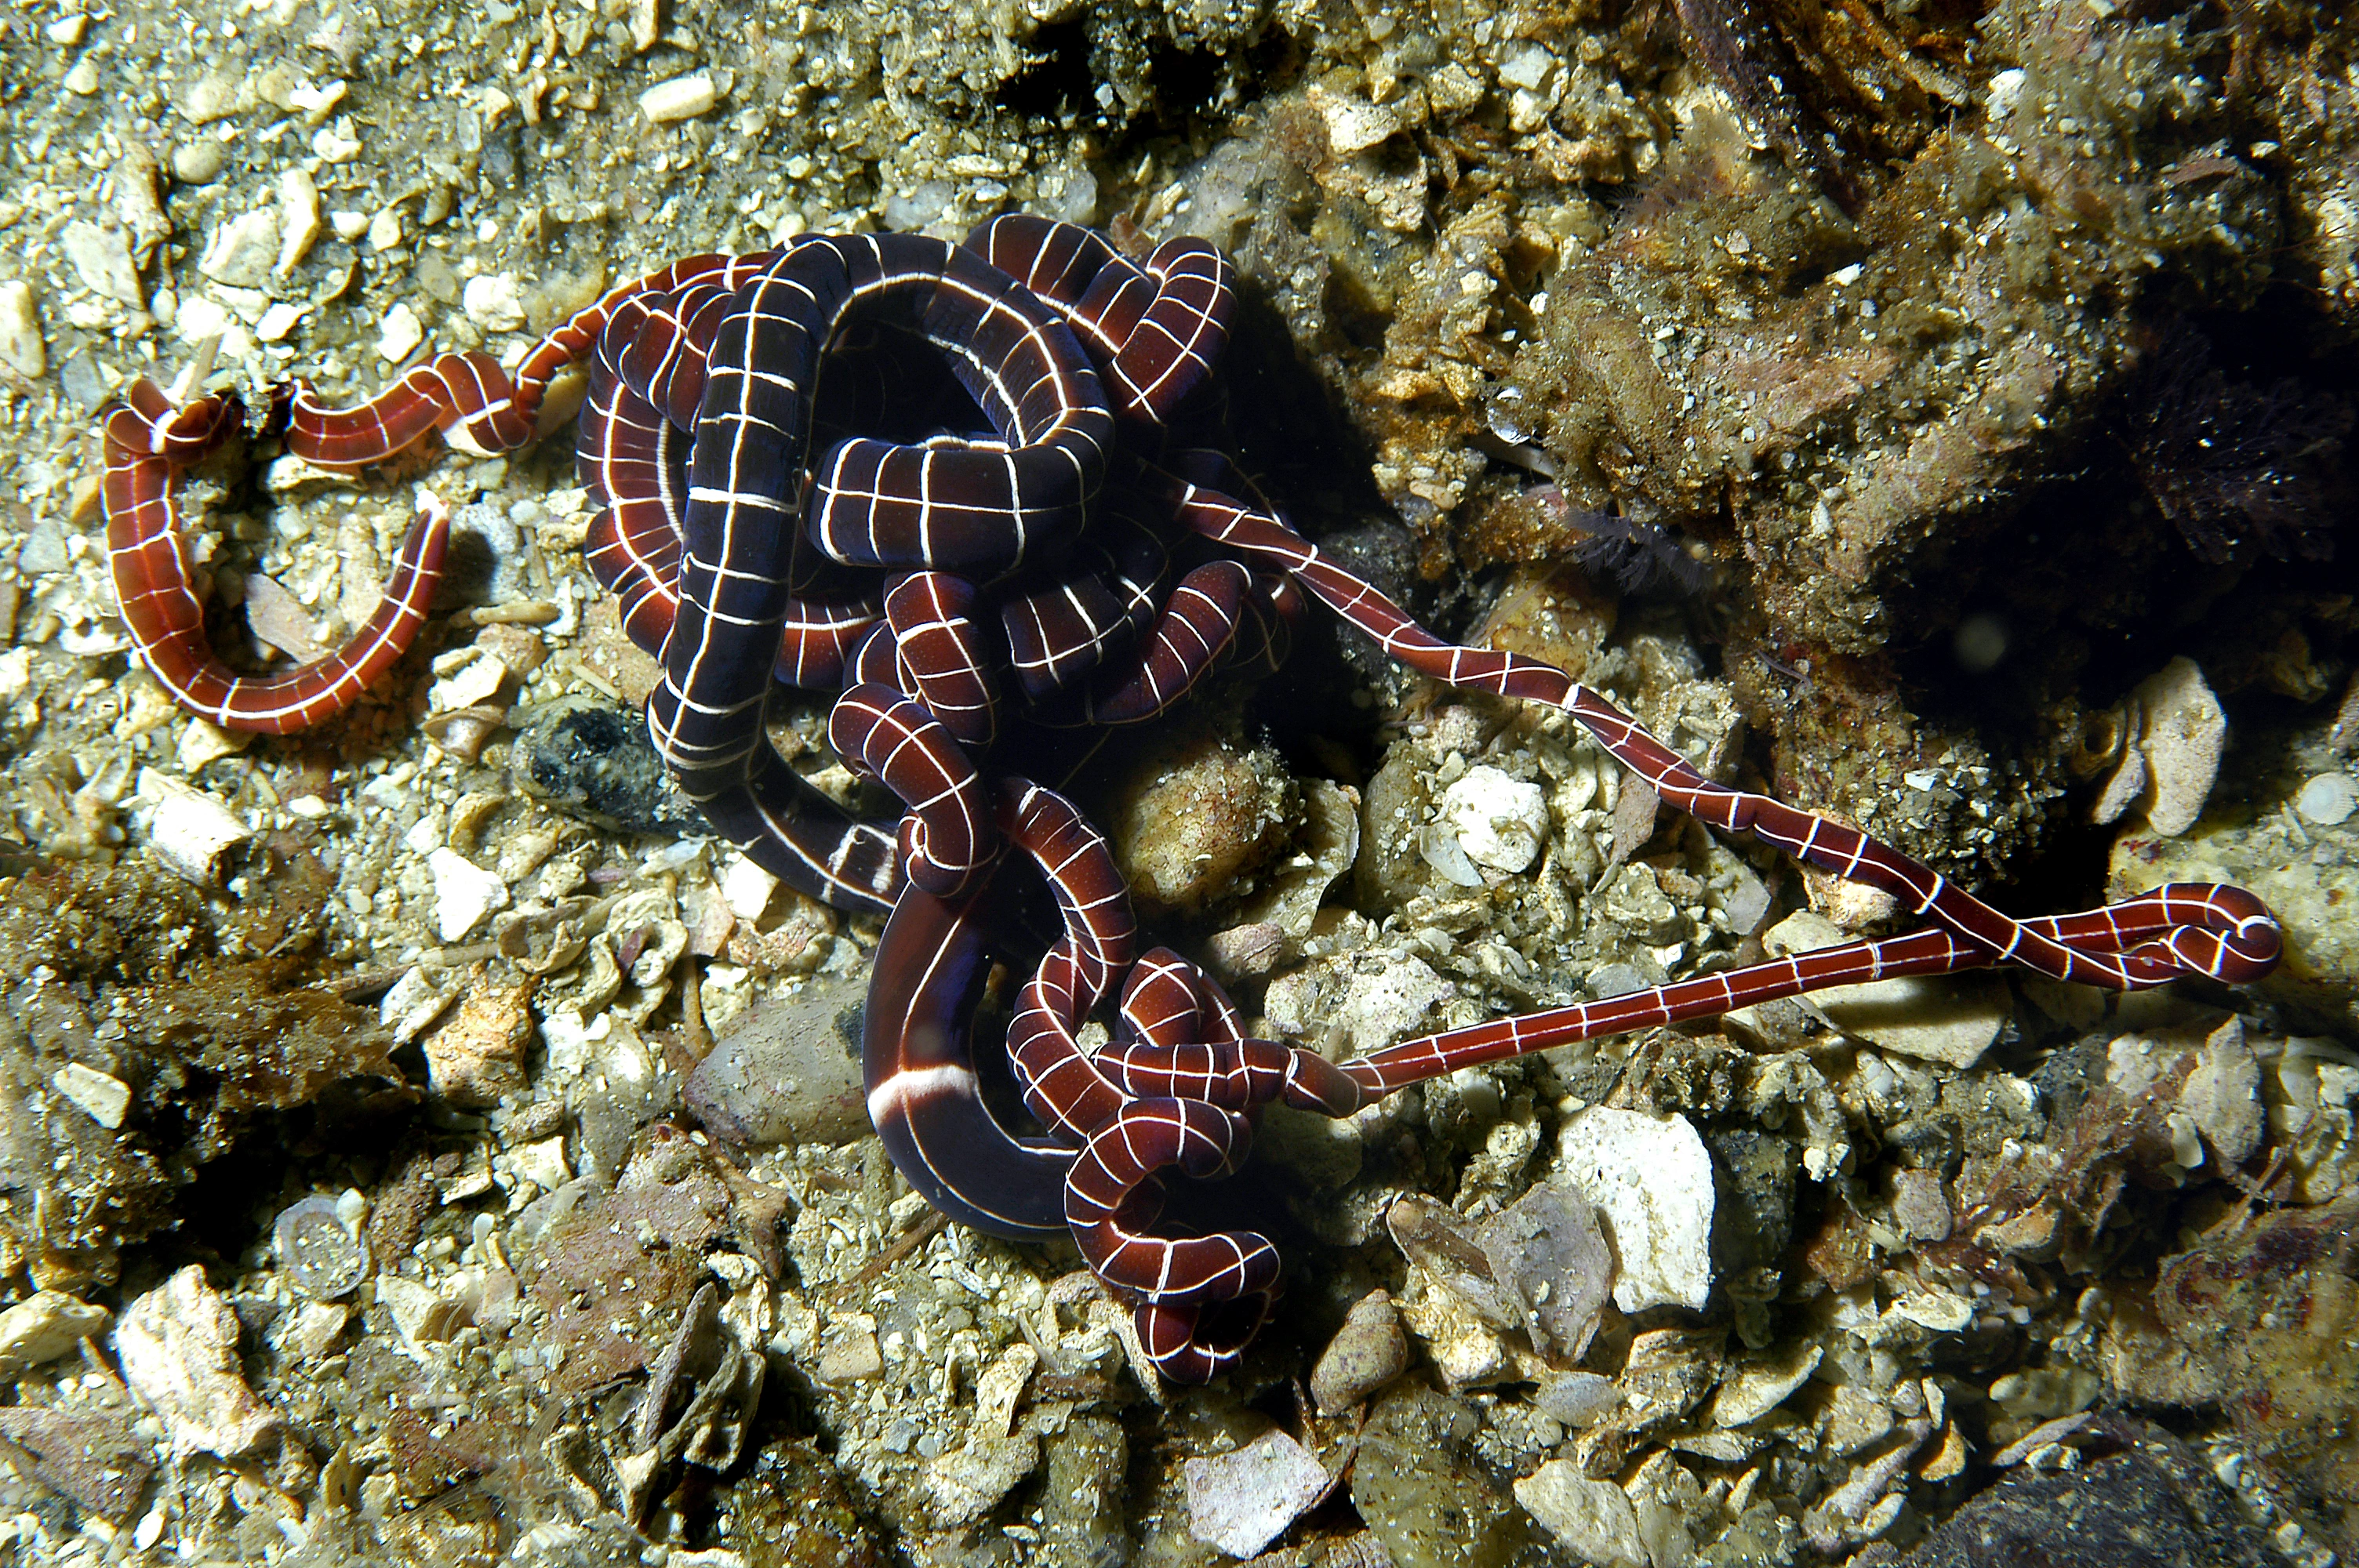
478, 1055
1243, 1501
1950, 1019
42, 1327
242, 252
178, 1348
22, 348
187, 828
1367, 1352
1593, 1519
1652, 1179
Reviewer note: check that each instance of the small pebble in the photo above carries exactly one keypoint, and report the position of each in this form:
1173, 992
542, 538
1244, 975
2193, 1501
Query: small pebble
421, 1315
463, 893
491, 302
385, 230
681, 98
102, 1096
199, 162
240, 253
320, 1256
67, 32
22, 347
102, 258
1367, 1352
348, 226
187, 829
276, 321
1653, 1180
400, 334
176, 1346
298, 219
1243, 1501
210, 98
2328, 800
82, 80
42, 1327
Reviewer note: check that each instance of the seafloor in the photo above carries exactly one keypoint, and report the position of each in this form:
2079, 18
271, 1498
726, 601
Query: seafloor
419, 1145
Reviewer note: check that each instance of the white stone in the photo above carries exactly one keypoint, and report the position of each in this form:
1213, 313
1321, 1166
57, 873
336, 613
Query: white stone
400, 334
202, 741
421, 1313
747, 888
101, 258
463, 893
1390, 1004
681, 98
385, 230
2184, 732
1593, 1519
299, 219
348, 226
1940, 1310
1950, 1019
200, 317
543, 1163
493, 303
1355, 123
1500, 822
102, 1096
242, 252
2326, 801
1241, 1501
1651, 1179
187, 829
1757, 1387
178, 1348
22, 347
276, 321
42, 1327
471, 685
316, 102
336, 143
211, 97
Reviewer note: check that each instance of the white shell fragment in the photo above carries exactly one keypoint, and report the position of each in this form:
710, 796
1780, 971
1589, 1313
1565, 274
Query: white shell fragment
1239, 1502
178, 1348
1951, 1019
2326, 801
102, 258
1652, 1180
1759, 1385
400, 334
187, 829
44, 1326
1594, 1520
102, 1096
1499, 822
463, 893
2179, 732
421, 1313
22, 348
299, 219
493, 303
746, 889
681, 98
242, 252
